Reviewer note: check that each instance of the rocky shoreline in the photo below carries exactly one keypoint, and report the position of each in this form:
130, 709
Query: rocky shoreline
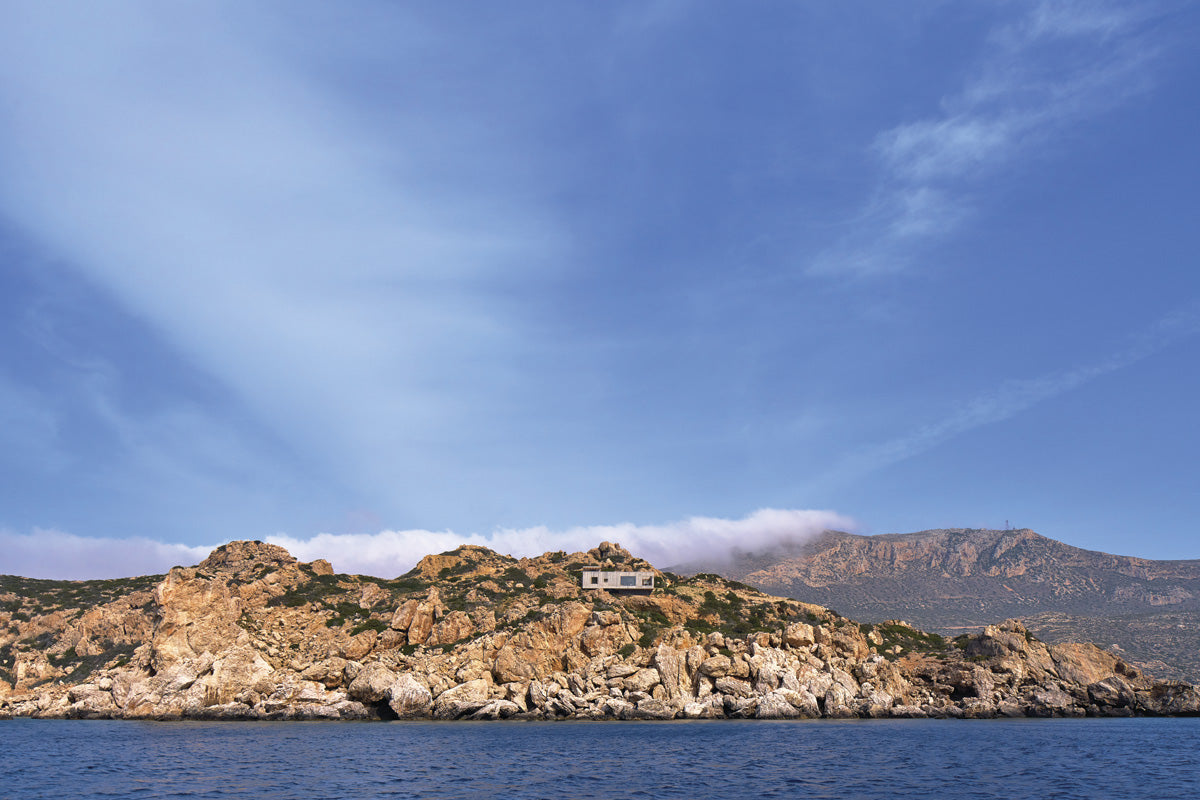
252, 634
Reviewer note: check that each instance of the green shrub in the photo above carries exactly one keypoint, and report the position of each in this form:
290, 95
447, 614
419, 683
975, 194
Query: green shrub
649, 632
377, 625
87, 664
405, 585
461, 568
652, 615
908, 640
515, 574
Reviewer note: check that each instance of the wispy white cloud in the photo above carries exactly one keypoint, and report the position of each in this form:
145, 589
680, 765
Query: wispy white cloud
1014, 397
1059, 64
52, 554
353, 290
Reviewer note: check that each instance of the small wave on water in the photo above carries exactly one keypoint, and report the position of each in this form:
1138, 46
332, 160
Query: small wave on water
1111, 759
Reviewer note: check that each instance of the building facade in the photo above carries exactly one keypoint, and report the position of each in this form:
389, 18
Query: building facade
617, 581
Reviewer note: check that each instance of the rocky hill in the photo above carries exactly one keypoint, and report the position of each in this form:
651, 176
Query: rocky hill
251, 633
955, 580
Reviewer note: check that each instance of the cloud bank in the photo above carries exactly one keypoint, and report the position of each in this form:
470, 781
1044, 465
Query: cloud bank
53, 554
64, 556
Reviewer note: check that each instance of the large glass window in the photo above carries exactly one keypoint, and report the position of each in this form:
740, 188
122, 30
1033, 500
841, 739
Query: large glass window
629, 580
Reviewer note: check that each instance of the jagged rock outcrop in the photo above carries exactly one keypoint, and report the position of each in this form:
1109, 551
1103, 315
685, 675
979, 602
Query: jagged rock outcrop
250, 633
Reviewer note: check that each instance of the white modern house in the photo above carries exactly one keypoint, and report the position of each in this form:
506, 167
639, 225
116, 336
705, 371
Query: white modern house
617, 581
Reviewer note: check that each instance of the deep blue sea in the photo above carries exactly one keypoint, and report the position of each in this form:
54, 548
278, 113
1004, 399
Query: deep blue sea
1092, 759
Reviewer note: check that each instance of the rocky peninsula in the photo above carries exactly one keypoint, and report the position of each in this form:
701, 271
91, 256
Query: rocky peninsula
251, 633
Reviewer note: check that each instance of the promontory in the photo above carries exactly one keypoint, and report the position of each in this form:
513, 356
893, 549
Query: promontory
251, 633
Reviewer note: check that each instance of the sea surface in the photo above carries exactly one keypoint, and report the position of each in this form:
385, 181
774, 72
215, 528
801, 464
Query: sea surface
1092, 759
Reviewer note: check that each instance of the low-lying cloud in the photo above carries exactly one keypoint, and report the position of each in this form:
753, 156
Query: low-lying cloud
53, 554
58, 555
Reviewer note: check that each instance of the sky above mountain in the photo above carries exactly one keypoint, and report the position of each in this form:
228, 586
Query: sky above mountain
374, 277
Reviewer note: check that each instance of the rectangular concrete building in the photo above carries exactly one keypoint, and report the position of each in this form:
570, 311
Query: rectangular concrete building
617, 581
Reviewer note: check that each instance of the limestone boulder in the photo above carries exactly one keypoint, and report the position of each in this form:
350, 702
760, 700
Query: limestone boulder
600, 640
546, 645
799, 634
675, 670
804, 701
908, 712
402, 619
455, 626
775, 705
496, 709
423, 617
1083, 663
461, 700
89, 701
1112, 692
734, 687
409, 698
717, 666
839, 702
1046, 702
653, 709
877, 703
372, 684
329, 671
1174, 698
236, 669
644, 680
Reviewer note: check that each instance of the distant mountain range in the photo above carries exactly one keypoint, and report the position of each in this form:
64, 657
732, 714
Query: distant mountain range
952, 580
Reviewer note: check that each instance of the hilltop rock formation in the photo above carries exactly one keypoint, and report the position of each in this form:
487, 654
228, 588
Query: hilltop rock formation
251, 633
954, 580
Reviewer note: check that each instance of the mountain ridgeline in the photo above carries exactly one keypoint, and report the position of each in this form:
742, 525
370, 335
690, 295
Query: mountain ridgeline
954, 580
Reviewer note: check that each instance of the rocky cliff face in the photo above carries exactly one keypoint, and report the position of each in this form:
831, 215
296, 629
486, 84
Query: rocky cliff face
954, 580
250, 633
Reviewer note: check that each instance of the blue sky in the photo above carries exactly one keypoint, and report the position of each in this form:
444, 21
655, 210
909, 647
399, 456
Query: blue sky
371, 278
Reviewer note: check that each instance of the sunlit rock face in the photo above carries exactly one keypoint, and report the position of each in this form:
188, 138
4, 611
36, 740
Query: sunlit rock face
251, 633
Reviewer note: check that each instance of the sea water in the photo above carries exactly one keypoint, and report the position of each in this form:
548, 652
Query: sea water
1092, 759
